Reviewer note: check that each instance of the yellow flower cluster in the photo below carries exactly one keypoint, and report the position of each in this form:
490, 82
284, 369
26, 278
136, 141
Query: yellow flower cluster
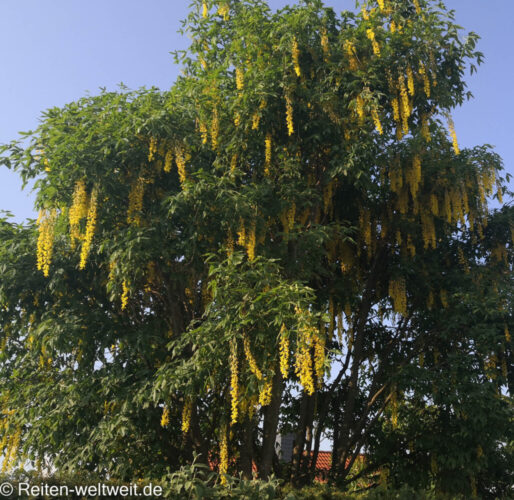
152, 148
376, 121
371, 36
267, 153
256, 119
250, 242
351, 53
45, 242
215, 129
360, 108
410, 80
507, 334
180, 160
381, 4
405, 110
296, 57
303, 366
124, 295
266, 393
187, 412
165, 418
396, 109
239, 79
168, 160
252, 363
203, 132
223, 467
416, 5
284, 352
399, 296
78, 210
90, 228
136, 202
237, 119
413, 175
289, 114
234, 382
223, 10
205, 10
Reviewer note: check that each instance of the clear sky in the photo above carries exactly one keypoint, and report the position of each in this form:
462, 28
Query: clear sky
54, 51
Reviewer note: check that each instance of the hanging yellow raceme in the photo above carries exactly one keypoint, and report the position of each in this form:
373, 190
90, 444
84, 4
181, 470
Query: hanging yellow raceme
252, 363
165, 418
223, 467
124, 295
234, 382
289, 114
77, 211
187, 413
266, 393
233, 163
224, 10
267, 154
90, 228
205, 10
410, 81
284, 352
168, 160
371, 36
152, 149
398, 294
376, 121
405, 110
45, 242
203, 132
215, 128
180, 160
416, 5
239, 79
296, 57
251, 241
351, 54
135, 205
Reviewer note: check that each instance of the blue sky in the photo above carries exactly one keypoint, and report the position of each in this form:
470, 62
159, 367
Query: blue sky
55, 51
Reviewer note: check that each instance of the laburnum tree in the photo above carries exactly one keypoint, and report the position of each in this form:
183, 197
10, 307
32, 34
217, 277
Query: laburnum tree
288, 240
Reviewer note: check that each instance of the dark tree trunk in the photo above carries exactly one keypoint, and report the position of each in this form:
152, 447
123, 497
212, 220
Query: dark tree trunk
270, 426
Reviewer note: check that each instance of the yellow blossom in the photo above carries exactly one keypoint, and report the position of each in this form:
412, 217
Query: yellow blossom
289, 114
296, 57
45, 243
165, 418
90, 229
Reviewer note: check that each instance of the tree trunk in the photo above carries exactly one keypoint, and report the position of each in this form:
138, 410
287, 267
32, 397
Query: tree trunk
271, 417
